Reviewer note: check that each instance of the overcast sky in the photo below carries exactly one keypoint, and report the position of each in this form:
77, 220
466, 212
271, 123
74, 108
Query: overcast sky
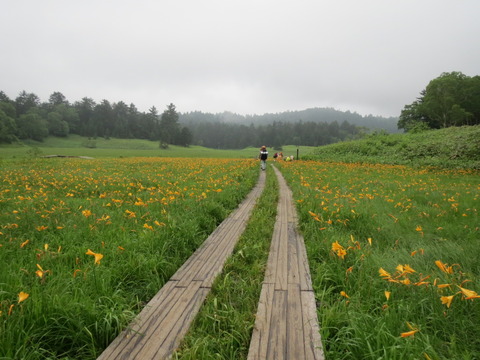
243, 56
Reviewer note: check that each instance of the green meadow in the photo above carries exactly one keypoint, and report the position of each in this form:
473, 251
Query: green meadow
85, 243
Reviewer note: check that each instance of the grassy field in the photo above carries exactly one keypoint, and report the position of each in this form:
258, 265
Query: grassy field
84, 244
394, 258
393, 249
76, 145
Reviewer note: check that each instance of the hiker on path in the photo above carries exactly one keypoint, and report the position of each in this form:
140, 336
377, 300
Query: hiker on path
263, 157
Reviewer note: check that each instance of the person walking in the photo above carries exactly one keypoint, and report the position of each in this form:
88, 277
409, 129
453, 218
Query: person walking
263, 157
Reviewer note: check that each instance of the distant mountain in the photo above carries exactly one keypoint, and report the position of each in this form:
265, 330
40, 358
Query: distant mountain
316, 115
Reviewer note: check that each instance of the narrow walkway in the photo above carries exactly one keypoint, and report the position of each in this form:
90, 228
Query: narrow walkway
286, 324
162, 324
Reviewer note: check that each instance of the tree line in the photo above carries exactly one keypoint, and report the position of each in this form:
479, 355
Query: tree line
27, 117
452, 99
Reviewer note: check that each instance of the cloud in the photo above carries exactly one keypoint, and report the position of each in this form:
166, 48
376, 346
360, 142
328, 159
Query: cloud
244, 56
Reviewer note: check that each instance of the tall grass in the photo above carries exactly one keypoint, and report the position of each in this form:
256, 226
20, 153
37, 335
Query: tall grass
144, 216
224, 326
360, 218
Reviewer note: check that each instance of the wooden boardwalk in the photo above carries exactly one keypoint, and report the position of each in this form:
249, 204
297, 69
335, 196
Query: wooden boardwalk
286, 325
162, 324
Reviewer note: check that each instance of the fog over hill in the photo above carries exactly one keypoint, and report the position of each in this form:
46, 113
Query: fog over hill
316, 115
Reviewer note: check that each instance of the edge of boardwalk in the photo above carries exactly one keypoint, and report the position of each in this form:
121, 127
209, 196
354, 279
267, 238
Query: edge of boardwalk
286, 325
159, 328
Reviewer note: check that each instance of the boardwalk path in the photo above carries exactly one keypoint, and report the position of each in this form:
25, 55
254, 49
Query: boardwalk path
290, 333
286, 325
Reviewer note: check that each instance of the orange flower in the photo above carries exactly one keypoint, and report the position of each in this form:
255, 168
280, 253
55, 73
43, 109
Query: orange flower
22, 296
344, 294
387, 295
408, 333
98, 257
468, 293
446, 269
384, 274
447, 300
412, 331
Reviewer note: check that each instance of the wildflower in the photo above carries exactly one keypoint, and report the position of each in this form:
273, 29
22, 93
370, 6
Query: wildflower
344, 294
24, 243
40, 272
387, 295
341, 252
468, 293
370, 241
41, 228
447, 300
412, 331
86, 213
97, 256
22, 296
446, 269
130, 214
146, 226
386, 275
408, 333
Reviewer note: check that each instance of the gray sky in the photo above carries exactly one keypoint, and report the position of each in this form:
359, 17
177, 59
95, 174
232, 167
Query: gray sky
244, 56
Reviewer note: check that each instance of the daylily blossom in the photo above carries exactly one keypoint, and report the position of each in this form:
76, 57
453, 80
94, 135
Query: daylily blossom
97, 256
447, 300
387, 295
22, 296
468, 293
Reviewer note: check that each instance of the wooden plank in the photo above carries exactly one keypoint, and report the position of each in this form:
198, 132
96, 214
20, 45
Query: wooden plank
259, 343
304, 268
293, 266
277, 340
295, 334
134, 335
156, 331
281, 279
175, 326
313, 340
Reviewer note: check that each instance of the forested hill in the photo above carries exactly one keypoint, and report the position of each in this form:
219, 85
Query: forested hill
315, 115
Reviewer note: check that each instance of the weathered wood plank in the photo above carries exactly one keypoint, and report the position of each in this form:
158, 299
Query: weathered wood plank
277, 339
292, 265
259, 343
293, 330
281, 280
296, 339
313, 341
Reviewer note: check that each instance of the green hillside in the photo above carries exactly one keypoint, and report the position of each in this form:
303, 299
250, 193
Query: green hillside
454, 147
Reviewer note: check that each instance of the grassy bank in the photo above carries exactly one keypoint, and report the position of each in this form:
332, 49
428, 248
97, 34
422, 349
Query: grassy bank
455, 147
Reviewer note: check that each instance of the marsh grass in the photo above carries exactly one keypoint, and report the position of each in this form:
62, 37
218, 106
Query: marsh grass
224, 325
411, 217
